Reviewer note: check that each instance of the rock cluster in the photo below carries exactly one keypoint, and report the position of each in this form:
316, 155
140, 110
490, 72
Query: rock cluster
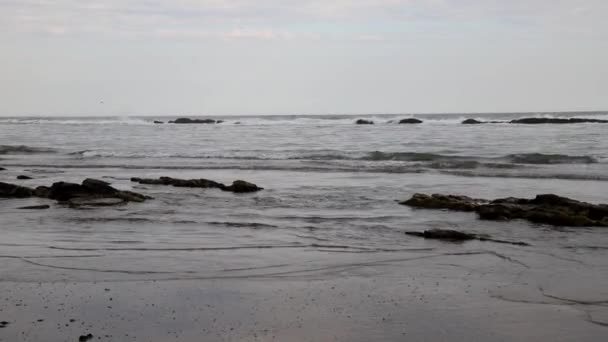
91, 192
531, 121
543, 209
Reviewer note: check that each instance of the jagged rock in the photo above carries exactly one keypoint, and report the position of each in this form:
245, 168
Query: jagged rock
193, 121
23, 177
364, 122
438, 201
241, 186
456, 236
15, 191
532, 121
544, 209
36, 207
472, 122
410, 121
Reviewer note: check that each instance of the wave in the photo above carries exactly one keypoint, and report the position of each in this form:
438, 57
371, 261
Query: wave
433, 160
482, 171
22, 149
302, 120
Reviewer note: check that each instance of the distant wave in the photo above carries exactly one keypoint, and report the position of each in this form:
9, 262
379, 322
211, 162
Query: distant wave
436, 160
480, 171
22, 149
305, 120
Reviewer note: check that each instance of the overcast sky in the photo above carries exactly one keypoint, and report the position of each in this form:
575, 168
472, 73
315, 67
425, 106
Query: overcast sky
218, 57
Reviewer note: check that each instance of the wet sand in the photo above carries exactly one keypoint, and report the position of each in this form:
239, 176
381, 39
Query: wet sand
478, 295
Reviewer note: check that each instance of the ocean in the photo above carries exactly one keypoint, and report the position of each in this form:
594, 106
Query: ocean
263, 264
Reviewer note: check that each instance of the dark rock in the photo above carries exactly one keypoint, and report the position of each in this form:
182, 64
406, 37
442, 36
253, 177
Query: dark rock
544, 209
85, 338
158, 122
438, 201
2, 169
184, 183
98, 187
22, 177
410, 121
193, 121
89, 192
78, 202
15, 191
532, 121
42, 191
364, 122
444, 234
238, 186
36, 207
241, 186
472, 122
456, 236
63, 191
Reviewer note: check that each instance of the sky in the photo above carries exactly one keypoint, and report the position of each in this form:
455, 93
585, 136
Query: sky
240, 57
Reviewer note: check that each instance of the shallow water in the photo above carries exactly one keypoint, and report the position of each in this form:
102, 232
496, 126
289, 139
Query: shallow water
328, 216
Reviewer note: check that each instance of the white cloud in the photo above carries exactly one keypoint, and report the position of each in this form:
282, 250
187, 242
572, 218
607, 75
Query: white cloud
286, 19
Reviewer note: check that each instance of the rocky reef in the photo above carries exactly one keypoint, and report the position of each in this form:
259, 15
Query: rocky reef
91, 192
543, 209
364, 122
238, 186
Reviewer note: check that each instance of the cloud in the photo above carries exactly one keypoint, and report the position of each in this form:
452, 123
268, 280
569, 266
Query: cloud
289, 19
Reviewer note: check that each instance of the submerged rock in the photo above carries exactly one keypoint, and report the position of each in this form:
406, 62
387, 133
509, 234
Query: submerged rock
238, 186
2, 169
36, 207
410, 121
158, 122
457, 236
532, 121
8, 190
23, 177
193, 121
364, 122
545, 209
438, 201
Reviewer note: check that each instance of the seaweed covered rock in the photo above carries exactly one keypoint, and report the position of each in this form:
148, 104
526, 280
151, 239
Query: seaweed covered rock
8, 190
544, 209
410, 121
438, 201
364, 122
533, 121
